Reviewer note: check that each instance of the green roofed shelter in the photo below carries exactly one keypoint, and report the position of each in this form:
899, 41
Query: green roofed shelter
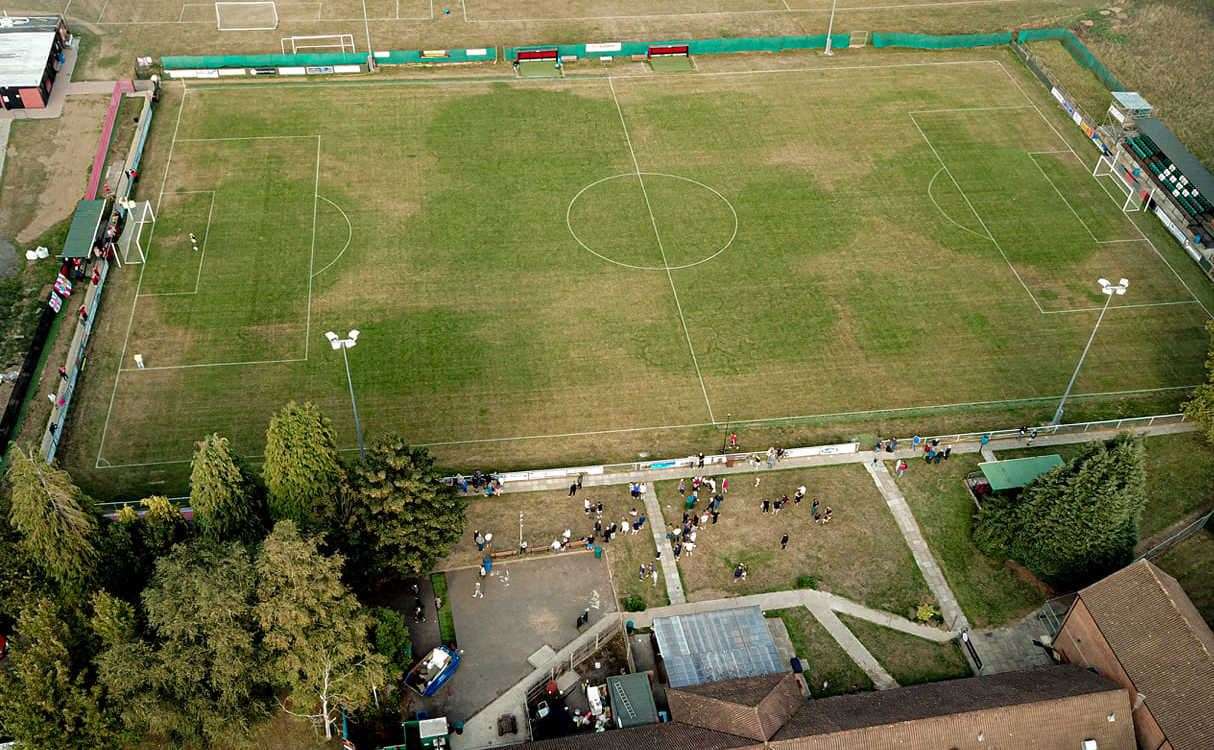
1017, 472
86, 225
632, 700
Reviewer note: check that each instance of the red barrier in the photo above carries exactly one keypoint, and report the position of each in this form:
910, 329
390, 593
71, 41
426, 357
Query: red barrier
121, 88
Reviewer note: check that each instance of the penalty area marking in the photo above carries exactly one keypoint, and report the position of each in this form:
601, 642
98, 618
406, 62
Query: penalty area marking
569, 220
349, 236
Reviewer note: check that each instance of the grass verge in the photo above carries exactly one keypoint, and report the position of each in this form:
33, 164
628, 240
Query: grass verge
446, 620
908, 659
828, 669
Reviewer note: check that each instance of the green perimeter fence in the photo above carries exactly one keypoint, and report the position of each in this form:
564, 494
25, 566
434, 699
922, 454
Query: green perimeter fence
694, 46
879, 39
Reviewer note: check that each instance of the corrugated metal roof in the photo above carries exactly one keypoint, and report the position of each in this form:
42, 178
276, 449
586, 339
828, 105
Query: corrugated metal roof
724, 644
23, 57
1180, 155
1017, 472
83, 231
632, 700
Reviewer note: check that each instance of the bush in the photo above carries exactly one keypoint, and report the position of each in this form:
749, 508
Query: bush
806, 582
927, 613
634, 603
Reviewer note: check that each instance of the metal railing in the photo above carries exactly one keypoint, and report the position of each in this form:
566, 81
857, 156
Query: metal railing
1181, 535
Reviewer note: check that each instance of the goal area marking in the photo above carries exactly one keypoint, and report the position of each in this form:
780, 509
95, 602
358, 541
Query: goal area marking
295, 44
246, 15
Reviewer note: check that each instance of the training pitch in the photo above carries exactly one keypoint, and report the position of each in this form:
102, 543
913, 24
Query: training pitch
552, 259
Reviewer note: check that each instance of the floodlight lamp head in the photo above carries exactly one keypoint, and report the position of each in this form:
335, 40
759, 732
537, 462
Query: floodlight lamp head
333, 340
353, 336
1104, 282
1124, 283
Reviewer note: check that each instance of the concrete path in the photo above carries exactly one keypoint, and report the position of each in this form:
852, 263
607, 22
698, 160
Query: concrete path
657, 526
949, 608
6, 127
854, 648
1011, 648
1010, 442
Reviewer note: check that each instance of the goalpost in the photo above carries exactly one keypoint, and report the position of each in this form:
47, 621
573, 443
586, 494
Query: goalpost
130, 243
246, 15
292, 45
1106, 167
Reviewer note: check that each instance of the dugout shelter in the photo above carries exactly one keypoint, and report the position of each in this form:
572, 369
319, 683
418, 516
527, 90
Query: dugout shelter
31, 55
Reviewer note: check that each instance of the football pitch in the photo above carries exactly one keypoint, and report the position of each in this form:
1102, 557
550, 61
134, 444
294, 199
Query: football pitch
544, 260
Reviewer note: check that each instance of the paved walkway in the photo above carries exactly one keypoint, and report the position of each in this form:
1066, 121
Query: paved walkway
561, 482
1011, 648
854, 648
6, 127
657, 525
901, 511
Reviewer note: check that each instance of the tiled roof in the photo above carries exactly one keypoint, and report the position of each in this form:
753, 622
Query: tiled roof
1164, 646
753, 707
909, 704
671, 736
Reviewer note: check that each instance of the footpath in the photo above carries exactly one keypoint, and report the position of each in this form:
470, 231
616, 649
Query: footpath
481, 730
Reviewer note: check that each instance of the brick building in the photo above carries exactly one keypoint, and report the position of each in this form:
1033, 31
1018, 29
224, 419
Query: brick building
1138, 628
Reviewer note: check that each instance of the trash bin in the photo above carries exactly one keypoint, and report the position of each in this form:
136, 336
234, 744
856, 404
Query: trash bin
598, 552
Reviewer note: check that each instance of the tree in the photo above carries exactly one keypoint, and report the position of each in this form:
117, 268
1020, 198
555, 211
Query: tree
402, 516
315, 630
1200, 406
46, 699
48, 509
198, 676
391, 639
1078, 521
161, 527
220, 492
302, 472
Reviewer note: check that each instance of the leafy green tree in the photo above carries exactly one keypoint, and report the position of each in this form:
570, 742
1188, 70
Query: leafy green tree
401, 517
1200, 406
302, 471
46, 699
391, 639
1076, 522
53, 516
315, 630
161, 527
198, 677
223, 498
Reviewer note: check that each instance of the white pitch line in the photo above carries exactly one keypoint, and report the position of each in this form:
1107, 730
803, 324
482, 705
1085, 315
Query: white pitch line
244, 138
944, 213
1064, 200
755, 12
367, 26
985, 228
349, 237
1122, 307
692, 425
997, 108
215, 364
658, 236
312, 255
206, 233
1137, 228
104, 5
139, 284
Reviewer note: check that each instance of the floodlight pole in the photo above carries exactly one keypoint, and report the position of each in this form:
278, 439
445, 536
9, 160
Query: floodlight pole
1109, 291
344, 344
830, 27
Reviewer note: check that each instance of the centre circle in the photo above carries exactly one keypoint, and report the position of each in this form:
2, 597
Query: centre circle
652, 221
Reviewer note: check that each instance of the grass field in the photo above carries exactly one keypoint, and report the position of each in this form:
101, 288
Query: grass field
989, 592
1190, 562
738, 245
828, 669
908, 659
860, 554
542, 517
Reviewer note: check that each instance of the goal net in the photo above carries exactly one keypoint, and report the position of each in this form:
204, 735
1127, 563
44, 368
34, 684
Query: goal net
246, 15
295, 44
139, 221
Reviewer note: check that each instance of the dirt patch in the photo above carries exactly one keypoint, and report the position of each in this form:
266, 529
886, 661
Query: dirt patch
47, 167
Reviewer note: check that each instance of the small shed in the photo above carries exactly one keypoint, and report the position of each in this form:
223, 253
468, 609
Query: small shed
85, 229
1017, 472
31, 53
632, 700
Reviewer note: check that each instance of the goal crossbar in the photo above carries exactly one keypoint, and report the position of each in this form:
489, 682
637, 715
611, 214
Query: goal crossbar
130, 243
294, 44
236, 7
